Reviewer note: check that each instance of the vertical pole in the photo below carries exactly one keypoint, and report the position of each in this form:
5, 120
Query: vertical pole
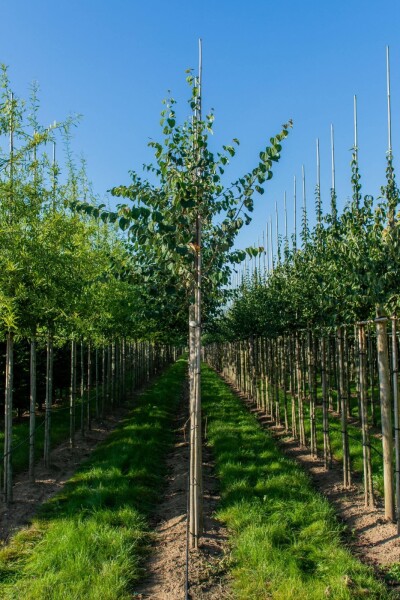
333, 159
325, 414
278, 251
295, 212
343, 404
32, 410
49, 397
389, 111
8, 408
272, 245
395, 386
89, 386
368, 486
72, 400
82, 361
386, 412
319, 208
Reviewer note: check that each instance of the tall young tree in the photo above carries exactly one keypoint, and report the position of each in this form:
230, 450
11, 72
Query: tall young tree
185, 197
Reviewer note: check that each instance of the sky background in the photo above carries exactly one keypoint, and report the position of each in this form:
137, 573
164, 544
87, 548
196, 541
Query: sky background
264, 63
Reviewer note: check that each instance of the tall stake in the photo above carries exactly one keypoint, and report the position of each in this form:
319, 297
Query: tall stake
395, 386
294, 213
195, 483
272, 244
318, 191
389, 111
333, 159
278, 250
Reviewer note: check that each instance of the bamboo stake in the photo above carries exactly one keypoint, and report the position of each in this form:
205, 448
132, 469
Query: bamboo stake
389, 111
295, 211
333, 159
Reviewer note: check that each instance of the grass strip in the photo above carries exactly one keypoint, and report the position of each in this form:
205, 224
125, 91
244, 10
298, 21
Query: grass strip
286, 541
87, 541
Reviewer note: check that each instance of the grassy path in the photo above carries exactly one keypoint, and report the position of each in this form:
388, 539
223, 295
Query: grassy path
87, 541
286, 541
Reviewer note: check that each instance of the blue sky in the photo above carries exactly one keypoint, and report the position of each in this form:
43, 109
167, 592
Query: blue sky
264, 62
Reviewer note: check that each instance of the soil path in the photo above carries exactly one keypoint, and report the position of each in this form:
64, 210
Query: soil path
369, 535
27, 496
166, 567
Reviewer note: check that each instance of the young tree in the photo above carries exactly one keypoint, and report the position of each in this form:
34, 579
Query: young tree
182, 226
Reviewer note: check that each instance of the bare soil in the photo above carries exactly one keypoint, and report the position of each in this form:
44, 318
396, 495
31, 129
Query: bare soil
27, 496
371, 537
166, 566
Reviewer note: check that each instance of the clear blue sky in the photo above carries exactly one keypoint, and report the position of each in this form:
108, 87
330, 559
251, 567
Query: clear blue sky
264, 62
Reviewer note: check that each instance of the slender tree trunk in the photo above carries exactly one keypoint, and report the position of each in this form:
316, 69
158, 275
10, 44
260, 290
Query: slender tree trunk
325, 413
395, 375
368, 485
313, 428
89, 386
82, 391
32, 411
96, 358
49, 398
386, 413
344, 410
302, 433
8, 409
72, 401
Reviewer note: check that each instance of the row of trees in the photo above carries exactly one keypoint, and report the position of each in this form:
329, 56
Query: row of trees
346, 269
296, 317
182, 223
75, 271
67, 281
331, 392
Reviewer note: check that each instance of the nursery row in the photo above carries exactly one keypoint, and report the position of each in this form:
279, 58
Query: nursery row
334, 392
99, 379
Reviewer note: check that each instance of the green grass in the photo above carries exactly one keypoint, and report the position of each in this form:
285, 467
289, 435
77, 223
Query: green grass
286, 540
335, 433
58, 433
86, 543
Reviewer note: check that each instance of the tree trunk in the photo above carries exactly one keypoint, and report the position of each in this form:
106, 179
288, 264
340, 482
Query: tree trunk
325, 413
32, 411
72, 400
362, 371
386, 414
8, 408
344, 410
395, 375
49, 398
